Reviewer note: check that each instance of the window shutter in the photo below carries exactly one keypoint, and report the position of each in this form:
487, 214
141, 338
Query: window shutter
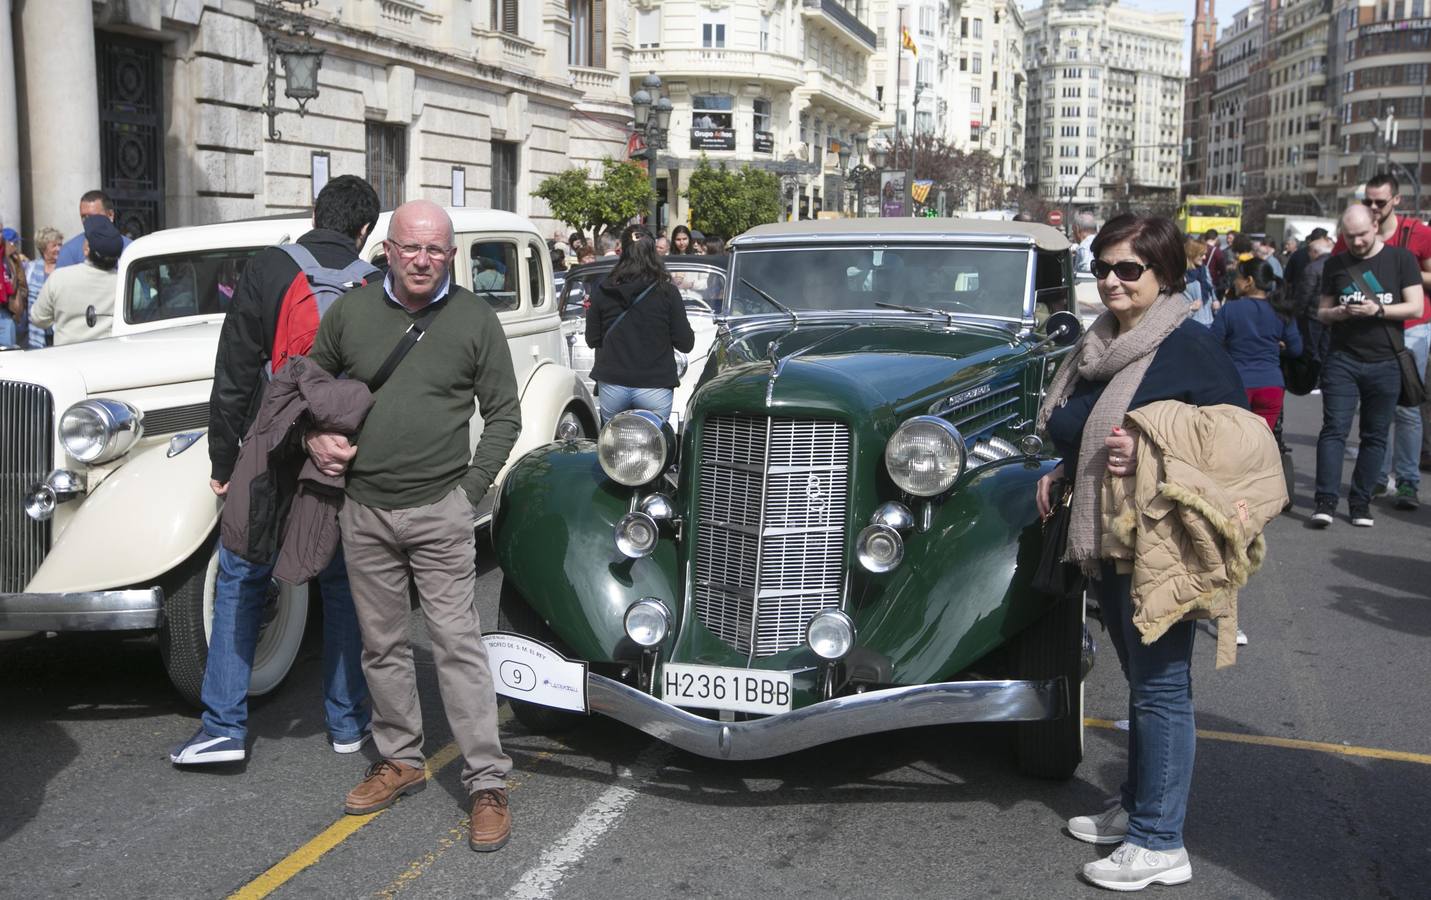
598, 34
509, 16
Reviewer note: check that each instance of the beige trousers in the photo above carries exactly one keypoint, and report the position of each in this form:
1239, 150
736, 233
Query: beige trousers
433, 546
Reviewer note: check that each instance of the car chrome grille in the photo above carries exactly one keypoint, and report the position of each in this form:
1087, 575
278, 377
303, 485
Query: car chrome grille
27, 415
770, 544
995, 408
193, 417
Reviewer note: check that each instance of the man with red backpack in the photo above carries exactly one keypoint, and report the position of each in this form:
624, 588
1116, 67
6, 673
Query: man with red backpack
274, 316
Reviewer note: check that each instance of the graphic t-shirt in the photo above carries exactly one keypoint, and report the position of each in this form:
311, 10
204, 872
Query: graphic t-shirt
1411, 234
1387, 274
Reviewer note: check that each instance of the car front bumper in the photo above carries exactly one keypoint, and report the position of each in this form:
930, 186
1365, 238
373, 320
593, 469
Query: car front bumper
82, 611
889, 709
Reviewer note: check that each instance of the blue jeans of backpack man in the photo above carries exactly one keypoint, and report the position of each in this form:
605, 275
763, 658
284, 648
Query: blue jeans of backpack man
239, 598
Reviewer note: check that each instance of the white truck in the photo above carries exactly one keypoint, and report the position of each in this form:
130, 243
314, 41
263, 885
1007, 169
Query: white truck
1280, 227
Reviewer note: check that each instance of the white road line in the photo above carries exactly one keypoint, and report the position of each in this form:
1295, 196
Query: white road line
538, 882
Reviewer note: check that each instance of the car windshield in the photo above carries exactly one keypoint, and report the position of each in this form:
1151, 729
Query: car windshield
183, 284
701, 288
986, 281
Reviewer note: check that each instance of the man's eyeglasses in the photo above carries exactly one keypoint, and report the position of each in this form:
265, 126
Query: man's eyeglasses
1127, 270
1376, 204
412, 251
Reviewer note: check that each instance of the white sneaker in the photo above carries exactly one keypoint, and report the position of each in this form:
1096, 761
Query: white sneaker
1108, 827
1241, 638
352, 746
1133, 868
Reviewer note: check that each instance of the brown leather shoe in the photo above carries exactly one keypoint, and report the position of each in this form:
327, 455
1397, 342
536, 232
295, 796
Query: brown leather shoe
384, 782
491, 820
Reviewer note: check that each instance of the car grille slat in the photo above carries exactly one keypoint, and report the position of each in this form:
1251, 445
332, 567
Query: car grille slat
770, 542
193, 417
27, 414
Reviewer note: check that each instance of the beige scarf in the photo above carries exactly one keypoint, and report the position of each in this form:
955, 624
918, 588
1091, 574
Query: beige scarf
1121, 360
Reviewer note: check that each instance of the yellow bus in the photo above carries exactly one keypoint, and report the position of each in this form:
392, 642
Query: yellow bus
1198, 214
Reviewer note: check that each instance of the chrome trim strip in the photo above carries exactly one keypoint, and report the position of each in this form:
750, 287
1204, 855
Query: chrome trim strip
82, 611
829, 720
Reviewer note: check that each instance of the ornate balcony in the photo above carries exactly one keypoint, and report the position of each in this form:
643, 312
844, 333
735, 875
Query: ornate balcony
706, 62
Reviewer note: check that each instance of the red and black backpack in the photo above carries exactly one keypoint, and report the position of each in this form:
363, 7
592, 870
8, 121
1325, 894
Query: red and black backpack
308, 298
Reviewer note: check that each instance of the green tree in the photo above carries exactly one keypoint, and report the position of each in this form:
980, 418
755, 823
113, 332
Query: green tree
727, 203
592, 207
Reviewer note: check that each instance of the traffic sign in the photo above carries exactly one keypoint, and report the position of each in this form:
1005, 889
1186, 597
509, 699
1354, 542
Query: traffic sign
1055, 218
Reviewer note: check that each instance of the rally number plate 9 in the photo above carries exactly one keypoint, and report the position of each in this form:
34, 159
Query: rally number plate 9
734, 690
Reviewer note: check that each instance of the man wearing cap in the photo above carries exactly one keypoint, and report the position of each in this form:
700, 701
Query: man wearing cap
79, 300
92, 203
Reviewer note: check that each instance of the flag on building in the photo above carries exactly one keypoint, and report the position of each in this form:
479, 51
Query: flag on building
906, 41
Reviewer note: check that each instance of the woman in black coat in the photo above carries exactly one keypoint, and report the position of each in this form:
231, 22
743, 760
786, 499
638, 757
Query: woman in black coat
636, 322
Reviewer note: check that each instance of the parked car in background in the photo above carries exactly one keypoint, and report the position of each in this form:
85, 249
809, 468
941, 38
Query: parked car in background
841, 538
702, 283
107, 521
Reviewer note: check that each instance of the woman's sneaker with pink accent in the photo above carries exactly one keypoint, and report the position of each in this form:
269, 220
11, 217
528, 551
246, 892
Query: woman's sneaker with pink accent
1132, 868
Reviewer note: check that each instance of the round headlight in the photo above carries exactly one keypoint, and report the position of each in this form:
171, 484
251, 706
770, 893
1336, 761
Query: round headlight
648, 621
96, 431
831, 634
632, 447
924, 456
879, 548
636, 535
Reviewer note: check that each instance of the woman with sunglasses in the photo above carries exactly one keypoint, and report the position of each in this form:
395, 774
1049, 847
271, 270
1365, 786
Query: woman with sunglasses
1142, 349
636, 322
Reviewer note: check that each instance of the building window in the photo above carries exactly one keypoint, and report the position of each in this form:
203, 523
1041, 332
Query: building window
504, 175
764, 136
765, 32
504, 16
713, 28
926, 21
712, 122
964, 27
926, 72
974, 94
587, 43
963, 63
978, 29
977, 62
387, 162
648, 27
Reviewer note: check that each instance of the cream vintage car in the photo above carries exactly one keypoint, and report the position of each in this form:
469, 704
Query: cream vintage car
106, 517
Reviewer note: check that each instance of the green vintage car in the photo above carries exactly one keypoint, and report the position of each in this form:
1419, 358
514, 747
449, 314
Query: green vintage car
841, 539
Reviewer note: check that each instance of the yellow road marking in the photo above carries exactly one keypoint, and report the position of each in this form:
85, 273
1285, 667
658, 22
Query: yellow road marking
284, 870
1294, 744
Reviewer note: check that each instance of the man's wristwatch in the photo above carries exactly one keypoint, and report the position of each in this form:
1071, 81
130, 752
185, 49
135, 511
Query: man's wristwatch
1380, 311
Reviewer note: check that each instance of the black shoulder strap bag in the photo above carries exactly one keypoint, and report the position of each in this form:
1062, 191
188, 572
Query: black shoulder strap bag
409, 339
617, 321
1413, 390
1052, 575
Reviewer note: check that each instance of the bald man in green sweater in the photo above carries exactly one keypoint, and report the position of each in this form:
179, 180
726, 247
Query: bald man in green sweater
411, 494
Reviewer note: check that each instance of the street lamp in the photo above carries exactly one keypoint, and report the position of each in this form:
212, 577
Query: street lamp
1068, 204
289, 38
652, 114
860, 174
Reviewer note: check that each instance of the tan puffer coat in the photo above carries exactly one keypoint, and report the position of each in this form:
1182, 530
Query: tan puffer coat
1189, 520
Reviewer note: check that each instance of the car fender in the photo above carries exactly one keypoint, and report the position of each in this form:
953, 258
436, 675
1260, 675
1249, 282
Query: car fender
967, 575
148, 516
553, 535
548, 392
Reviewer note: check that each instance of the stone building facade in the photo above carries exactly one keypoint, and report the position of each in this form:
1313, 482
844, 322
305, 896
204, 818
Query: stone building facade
1105, 104
460, 101
1237, 47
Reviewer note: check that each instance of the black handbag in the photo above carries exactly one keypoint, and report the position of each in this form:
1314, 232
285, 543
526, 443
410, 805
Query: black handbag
1054, 576
1413, 390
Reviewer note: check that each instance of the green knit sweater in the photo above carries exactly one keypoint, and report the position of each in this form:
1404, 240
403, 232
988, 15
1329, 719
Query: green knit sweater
414, 445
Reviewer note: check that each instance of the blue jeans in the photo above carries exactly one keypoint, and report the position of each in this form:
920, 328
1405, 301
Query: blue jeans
614, 399
239, 598
1161, 734
7, 330
1406, 441
1349, 383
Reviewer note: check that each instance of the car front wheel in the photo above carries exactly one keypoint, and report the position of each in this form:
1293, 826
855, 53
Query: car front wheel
516, 617
188, 625
1053, 647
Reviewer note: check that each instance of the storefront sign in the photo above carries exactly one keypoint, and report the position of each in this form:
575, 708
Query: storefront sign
1403, 25
893, 191
712, 138
764, 142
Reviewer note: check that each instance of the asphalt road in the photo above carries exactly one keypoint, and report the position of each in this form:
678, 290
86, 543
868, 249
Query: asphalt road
1307, 806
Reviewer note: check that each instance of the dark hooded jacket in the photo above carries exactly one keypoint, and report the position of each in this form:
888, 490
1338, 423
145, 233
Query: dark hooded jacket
637, 351
278, 502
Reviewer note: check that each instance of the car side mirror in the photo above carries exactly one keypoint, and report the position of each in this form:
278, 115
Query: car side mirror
1061, 329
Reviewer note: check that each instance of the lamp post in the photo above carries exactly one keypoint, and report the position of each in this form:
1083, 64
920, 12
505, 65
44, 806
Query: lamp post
860, 173
288, 35
1068, 204
653, 117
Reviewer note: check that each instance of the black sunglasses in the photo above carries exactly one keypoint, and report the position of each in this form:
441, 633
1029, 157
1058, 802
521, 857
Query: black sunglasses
1375, 204
1127, 270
